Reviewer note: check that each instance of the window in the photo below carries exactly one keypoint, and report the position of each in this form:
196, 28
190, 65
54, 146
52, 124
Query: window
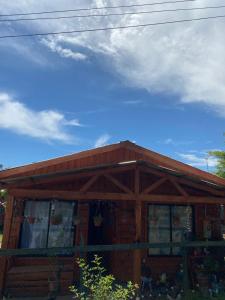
168, 223
47, 224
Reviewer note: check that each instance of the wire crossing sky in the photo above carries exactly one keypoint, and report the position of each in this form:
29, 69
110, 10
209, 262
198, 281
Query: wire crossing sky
149, 71
111, 28
114, 14
97, 8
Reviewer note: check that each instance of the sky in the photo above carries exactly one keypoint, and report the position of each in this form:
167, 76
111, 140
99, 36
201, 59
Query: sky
162, 87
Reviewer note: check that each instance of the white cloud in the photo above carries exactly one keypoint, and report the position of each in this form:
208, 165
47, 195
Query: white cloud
63, 52
170, 141
102, 140
185, 59
133, 102
202, 160
47, 125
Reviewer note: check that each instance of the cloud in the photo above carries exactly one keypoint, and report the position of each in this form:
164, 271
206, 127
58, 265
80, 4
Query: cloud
133, 102
202, 160
184, 59
63, 52
102, 140
47, 125
170, 141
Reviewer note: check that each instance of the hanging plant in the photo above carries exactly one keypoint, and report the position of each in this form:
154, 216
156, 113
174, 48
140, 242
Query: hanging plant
154, 220
56, 219
76, 220
31, 220
176, 220
98, 219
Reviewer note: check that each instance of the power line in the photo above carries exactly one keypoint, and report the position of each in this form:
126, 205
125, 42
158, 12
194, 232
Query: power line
113, 14
110, 28
96, 8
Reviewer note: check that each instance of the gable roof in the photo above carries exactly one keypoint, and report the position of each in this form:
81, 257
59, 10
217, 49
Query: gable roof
115, 153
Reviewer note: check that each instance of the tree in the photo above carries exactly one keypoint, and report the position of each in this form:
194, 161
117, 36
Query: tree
220, 168
97, 285
3, 194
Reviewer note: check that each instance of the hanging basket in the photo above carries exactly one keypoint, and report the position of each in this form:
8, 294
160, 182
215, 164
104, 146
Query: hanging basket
98, 219
56, 220
31, 220
176, 220
76, 220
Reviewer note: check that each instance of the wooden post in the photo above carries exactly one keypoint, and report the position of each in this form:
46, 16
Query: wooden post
185, 274
138, 222
6, 238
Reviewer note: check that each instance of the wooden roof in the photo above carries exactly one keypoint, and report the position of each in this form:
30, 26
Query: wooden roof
111, 154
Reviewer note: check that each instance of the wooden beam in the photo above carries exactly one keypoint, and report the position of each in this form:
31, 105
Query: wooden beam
6, 238
89, 183
155, 185
201, 186
137, 253
178, 187
138, 228
181, 199
189, 182
137, 181
118, 184
68, 195
155, 172
74, 175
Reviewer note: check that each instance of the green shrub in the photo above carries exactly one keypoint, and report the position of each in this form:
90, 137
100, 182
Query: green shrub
97, 285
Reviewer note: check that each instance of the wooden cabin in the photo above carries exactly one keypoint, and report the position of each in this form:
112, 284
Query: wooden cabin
121, 193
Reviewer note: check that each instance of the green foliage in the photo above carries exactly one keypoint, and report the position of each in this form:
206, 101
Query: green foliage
97, 285
3, 193
220, 168
3, 196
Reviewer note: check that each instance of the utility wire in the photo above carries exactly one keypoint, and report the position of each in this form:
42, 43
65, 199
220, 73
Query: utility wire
112, 14
96, 8
110, 28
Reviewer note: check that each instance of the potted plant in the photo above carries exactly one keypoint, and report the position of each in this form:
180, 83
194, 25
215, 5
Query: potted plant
31, 220
76, 220
56, 219
98, 219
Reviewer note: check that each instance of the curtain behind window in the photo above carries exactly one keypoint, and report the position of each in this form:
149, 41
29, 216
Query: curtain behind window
61, 231
35, 224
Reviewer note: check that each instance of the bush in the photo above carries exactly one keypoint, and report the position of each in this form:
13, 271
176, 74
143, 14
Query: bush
97, 285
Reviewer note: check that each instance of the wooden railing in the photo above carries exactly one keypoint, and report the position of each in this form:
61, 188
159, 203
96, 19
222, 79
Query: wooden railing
50, 252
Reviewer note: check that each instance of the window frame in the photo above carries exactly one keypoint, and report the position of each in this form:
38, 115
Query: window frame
170, 228
73, 227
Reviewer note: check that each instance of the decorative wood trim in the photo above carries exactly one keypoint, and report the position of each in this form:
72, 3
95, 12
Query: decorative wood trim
155, 185
118, 184
201, 186
89, 183
178, 187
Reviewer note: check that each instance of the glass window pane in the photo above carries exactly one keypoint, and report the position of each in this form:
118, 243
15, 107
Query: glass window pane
181, 225
35, 224
159, 228
61, 231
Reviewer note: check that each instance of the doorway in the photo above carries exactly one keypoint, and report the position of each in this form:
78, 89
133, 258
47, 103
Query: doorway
101, 230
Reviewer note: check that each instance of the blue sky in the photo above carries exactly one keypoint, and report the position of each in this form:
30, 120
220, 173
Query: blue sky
64, 95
